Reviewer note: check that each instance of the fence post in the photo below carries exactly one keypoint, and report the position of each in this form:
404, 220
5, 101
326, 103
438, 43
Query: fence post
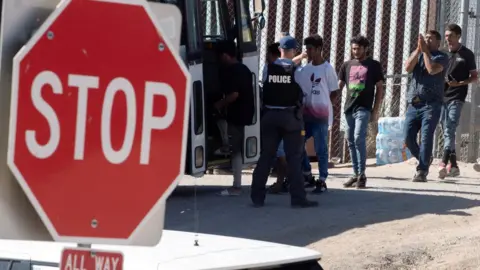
441, 11
472, 138
463, 22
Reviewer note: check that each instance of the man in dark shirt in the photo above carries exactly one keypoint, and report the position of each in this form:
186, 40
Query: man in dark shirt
239, 102
424, 98
364, 79
461, 71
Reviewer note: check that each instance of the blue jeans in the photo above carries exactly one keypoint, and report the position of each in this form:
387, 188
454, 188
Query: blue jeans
357, 124
421, 117
319, 132
450, 118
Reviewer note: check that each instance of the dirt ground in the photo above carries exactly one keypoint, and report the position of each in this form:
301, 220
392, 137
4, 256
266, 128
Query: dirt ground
394, 224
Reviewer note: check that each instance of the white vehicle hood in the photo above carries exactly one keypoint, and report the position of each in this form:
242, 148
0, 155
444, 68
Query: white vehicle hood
176, 251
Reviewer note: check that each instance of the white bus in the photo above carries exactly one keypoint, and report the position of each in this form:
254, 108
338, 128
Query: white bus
205, 24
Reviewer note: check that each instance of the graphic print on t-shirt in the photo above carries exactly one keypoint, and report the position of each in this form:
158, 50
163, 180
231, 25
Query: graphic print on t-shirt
357, 79
318, 98
315, 83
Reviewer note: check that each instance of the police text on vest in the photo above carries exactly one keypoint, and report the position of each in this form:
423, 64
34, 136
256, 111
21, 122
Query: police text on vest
279, 79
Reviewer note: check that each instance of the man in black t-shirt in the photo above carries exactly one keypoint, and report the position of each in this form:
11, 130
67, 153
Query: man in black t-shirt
239, 102
364, 79
461, 71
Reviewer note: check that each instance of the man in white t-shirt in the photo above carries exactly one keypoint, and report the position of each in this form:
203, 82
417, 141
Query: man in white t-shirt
319, 81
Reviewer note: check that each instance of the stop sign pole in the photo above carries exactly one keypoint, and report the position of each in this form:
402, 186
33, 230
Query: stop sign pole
98, 122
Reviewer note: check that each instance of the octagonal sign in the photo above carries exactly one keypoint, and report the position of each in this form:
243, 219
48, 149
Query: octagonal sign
99, 116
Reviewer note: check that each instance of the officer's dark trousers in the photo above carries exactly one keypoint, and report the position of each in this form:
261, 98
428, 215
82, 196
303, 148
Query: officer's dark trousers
277, 124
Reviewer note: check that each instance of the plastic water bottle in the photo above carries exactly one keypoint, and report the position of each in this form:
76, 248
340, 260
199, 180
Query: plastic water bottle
394, 156
381, 125
390, 145
381, 157
397, 126
395, 142
381, 141
386, 125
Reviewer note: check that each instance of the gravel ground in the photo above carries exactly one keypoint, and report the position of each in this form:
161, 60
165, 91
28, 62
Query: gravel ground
394, 224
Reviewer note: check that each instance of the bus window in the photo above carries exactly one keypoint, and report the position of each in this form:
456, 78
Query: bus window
190, 35
179, 4
213, 27
194, 28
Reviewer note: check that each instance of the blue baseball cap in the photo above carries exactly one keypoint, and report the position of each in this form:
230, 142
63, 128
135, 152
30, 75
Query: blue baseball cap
288, 43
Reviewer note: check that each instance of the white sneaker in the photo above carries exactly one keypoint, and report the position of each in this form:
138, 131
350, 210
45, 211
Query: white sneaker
454, 172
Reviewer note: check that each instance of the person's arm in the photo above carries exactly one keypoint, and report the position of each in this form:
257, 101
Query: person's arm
412, 61
298, 79
341, 77
379, 92
332, 83
472, 79
433, 64
298, 59
472, 66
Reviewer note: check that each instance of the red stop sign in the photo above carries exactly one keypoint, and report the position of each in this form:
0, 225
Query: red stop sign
99, 115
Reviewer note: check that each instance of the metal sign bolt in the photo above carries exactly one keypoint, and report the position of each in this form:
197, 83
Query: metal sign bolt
50, 35
161, 46
94, 223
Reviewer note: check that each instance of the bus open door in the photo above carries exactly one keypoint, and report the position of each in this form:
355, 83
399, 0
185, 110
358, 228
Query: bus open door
249, 55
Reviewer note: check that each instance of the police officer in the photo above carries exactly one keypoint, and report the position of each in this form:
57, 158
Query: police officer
282, 119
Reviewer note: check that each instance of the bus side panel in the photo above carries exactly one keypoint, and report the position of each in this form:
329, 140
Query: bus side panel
252, 133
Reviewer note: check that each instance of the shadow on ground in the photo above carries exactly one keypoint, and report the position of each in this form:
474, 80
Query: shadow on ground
340, 211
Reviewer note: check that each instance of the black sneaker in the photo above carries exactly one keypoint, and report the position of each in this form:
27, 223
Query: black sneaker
320, 187
305, 204
351, 182
309, 181
420, 176
362, 182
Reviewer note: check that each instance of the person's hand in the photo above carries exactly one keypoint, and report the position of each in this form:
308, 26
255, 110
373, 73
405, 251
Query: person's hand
304, 55
454, 83
422, 43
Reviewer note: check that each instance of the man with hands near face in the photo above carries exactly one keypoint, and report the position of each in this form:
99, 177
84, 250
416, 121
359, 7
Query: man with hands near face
424, 98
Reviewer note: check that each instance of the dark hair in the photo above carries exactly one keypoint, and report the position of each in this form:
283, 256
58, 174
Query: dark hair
314, 40
273, 49
454, 28
360, 41
435, 33
227, 47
